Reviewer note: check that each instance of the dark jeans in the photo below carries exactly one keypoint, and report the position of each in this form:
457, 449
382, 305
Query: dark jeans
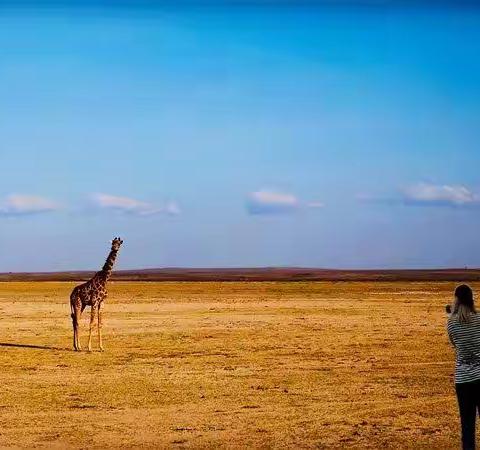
468, 395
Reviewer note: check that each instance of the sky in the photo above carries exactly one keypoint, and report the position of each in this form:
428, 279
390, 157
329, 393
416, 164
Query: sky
240, 135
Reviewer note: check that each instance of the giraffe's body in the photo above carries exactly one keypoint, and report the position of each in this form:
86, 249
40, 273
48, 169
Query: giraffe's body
92, 293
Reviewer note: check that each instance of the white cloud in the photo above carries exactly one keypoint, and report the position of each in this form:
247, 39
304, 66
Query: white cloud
268, 201
427, 194
172, 208
315, 204
132, 206
22, 205
441, 195
271, 202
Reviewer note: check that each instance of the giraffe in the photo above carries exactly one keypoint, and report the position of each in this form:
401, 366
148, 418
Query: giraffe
92, 293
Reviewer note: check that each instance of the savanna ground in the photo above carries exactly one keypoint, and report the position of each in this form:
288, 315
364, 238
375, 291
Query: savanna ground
271, 365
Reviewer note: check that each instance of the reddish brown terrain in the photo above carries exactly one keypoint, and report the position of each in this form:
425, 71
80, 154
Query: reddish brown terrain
257, 274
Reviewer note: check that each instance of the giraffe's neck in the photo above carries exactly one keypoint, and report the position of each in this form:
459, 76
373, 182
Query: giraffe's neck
108, 266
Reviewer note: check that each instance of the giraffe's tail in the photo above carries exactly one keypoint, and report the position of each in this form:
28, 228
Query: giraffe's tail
73, 297
74, 318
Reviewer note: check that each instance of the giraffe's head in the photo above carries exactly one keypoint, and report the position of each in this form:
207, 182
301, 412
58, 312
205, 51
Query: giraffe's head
116, 243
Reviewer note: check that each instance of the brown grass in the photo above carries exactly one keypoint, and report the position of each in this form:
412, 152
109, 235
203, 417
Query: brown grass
271, 365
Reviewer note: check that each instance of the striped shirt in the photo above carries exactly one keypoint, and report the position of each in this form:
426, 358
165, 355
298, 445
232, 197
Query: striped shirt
465, 337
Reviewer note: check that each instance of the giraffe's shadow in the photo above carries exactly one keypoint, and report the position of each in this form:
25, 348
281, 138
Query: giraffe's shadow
34, 347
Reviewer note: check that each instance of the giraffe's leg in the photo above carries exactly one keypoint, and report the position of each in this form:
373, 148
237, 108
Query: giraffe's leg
76, 313
79, 347
92, 324
74, 323
100, 342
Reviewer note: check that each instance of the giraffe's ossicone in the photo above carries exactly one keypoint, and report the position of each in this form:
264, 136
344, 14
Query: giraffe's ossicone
93, 293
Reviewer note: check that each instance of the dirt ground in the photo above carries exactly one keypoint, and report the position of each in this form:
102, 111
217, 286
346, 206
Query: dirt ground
201, 365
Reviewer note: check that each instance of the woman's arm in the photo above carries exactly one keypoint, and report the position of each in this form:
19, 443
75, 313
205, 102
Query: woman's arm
449, 332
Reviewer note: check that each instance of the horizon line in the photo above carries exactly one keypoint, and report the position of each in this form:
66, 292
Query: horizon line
251, 268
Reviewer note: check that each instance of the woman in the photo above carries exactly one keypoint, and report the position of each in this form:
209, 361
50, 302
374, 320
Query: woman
464, 332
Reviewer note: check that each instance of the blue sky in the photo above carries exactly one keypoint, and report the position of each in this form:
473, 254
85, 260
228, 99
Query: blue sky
240, 136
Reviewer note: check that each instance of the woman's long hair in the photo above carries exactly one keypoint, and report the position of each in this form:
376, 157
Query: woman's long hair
464, 305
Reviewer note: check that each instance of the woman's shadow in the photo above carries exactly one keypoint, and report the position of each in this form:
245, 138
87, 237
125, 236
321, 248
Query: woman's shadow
37, 347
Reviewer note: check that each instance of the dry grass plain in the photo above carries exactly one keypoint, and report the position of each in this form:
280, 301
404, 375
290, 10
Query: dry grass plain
201, 365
